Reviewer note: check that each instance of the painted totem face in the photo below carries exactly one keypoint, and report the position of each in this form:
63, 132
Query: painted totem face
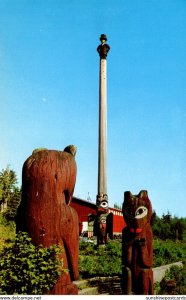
137, 211
102, 203
103, 223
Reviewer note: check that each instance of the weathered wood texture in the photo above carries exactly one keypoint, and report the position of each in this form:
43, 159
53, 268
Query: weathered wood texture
137, 250
48, 181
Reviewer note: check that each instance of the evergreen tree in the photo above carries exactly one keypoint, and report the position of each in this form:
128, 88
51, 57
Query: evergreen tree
168, 227
10, 194
117, 206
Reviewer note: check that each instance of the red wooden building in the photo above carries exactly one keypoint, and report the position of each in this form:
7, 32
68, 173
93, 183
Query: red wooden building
87, 209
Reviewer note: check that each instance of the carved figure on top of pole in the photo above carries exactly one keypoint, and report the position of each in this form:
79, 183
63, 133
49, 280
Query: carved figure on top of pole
137, 250
102, 198
103, 48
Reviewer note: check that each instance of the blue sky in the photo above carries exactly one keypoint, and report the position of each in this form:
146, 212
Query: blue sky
49, 91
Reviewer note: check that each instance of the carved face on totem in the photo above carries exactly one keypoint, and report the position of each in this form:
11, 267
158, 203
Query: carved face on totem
102, 203
137, 211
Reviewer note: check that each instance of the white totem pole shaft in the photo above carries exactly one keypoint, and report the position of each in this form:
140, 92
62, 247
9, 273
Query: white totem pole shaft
102, 160
102, 198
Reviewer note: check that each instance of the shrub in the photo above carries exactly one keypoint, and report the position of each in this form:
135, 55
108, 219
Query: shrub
104, 261
26, 269
166, 252
7, 231
100, 261
174, 282
87, 248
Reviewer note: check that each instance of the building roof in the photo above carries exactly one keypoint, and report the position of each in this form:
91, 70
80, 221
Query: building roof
89, 203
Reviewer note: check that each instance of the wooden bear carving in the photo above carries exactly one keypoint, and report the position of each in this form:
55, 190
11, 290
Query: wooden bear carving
137, 250
48, 181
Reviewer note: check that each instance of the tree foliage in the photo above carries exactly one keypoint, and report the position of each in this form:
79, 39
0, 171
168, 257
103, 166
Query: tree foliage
26, 269
117, 206
7, 232
10, 194
166, 252
168, 227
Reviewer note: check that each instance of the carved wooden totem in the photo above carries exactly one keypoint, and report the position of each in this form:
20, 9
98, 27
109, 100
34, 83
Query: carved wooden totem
48, 182
137, 250
102, 213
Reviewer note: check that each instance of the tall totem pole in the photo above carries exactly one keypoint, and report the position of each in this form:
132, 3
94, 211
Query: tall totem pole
102, 198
